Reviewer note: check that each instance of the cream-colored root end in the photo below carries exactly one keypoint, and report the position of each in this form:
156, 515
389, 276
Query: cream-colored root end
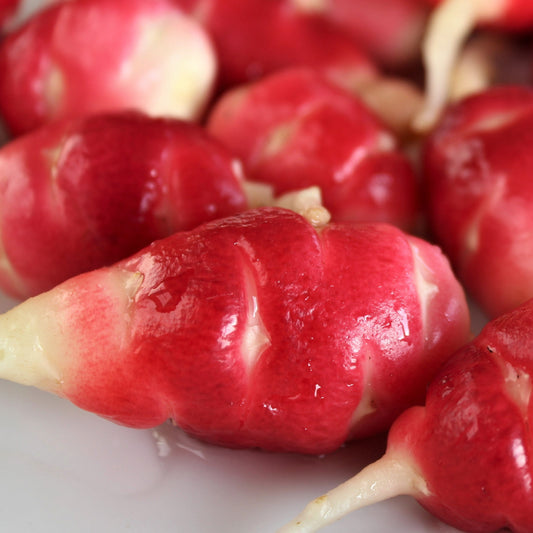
39, 341
308, 203
384, 479
448, 27
31, 344
311, 6
305, 202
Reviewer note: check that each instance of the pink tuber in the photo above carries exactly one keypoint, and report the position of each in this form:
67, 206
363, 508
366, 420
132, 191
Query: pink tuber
293, 130
96, 55
477, 172
258, 330
466, 455
79, 194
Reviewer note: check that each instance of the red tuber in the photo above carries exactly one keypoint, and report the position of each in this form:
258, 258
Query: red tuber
79, 194
466, 455
449, 26
389, 30
8, 8
257, 37
95, 55
477, 172
293, 129
258, 330
13, 13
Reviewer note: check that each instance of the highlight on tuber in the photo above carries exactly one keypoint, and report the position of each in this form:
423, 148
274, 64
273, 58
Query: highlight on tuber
466, 455
257, 330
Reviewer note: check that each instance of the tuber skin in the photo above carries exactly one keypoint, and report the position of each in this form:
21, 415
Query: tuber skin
390, 31
293, 130
256, 38
7, 11
449, 26
257, 330
161, 62
13, 13
466, 455
477, 166
80, 194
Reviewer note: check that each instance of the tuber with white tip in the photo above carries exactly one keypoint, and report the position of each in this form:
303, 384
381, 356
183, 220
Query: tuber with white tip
88, 56
257, 330
466, 455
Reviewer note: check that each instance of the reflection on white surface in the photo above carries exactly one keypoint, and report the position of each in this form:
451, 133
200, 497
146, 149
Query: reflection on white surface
65, 470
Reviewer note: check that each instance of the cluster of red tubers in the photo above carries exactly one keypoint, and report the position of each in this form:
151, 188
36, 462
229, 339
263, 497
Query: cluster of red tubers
248, 217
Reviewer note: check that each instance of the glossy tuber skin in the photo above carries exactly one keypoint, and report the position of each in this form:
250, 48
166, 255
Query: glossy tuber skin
79, 194
466, 455
477, 170
293, 130
148, 56
448, 29
258, 330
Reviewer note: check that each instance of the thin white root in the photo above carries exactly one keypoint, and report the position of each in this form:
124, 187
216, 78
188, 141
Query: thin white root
308, 203
379, 481
448, 27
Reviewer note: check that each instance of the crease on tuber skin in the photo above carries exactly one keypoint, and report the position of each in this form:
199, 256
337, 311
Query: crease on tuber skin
392, 475
473, 228
426, 289
256, 338
518, 385
449, 26
54, 88
367, 404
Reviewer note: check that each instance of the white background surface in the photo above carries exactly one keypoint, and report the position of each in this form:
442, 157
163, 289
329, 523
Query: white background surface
64, 470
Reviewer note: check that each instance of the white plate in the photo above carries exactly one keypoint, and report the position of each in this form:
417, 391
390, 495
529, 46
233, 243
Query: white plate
65, 470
